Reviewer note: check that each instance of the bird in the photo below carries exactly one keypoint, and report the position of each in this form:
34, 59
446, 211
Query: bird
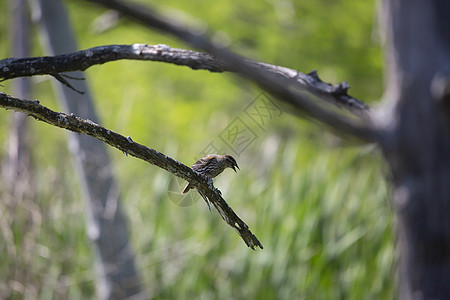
211, 166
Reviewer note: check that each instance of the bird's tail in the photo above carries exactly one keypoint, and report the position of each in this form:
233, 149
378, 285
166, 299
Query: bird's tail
187, 188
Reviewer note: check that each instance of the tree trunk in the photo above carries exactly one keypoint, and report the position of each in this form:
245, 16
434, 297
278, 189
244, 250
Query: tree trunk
417, 142
117, 276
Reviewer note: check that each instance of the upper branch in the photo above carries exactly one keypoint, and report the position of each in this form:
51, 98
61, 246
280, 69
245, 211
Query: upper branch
282, 88
129, 147
82, 60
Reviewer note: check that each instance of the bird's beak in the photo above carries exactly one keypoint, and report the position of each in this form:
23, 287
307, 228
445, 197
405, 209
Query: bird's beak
235, 168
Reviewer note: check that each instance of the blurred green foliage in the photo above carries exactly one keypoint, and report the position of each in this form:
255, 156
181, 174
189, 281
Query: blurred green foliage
319, 206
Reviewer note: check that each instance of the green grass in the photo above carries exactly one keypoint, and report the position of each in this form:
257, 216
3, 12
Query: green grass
321, 214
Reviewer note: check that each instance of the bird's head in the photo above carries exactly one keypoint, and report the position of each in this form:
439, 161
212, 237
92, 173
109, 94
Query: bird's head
230, 162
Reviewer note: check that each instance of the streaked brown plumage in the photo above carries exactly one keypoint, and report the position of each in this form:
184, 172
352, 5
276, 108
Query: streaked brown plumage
211, 166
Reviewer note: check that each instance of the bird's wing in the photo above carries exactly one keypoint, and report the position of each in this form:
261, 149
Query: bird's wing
201, 162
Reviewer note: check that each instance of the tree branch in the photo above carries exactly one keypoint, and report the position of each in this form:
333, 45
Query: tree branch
284, 89
126, 145
82, 60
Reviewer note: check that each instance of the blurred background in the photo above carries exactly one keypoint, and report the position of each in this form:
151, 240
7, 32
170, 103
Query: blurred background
318, 204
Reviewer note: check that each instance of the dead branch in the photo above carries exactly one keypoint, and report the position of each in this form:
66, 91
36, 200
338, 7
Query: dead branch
129, 147
82, 60
282, 88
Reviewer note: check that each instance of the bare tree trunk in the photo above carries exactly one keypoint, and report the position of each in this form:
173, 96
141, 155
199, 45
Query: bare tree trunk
417, 142
117, 276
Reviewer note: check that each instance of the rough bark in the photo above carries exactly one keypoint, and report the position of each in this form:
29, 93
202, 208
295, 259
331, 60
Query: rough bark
82, 60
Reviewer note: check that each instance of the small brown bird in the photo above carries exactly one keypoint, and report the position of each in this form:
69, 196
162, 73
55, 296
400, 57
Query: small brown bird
211, 166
